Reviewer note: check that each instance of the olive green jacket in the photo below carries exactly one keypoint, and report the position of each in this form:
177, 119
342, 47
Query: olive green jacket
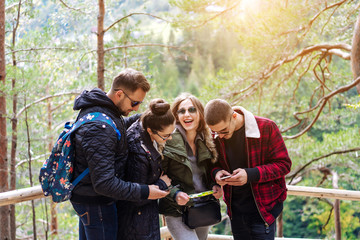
178, 168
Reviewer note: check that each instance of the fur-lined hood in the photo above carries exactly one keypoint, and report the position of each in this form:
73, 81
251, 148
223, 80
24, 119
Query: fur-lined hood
204, 142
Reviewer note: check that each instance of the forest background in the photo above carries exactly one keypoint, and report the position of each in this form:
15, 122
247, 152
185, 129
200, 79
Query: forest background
282, 59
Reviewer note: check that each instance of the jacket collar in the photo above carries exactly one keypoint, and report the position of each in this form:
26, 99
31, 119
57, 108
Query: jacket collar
138, 132
251, 126
177, 146
199, 136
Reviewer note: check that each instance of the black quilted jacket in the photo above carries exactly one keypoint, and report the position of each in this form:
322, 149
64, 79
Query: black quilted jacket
97, 148
140, 220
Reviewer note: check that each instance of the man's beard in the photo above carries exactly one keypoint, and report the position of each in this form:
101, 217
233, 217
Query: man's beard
122, 112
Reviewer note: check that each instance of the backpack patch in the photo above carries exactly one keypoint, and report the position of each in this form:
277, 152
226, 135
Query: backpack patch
58, 170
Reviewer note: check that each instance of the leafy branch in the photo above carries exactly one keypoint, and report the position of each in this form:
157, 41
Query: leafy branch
132, 14
217, 15
71, 8
147, 45
293, 175
43, 99
42, 49
322, 102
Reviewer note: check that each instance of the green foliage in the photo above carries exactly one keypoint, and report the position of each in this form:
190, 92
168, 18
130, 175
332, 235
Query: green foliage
353, 106
294, 218
314, 219
227, 50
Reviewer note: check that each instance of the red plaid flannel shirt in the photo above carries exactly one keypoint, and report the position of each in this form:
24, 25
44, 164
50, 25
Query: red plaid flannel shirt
269, 154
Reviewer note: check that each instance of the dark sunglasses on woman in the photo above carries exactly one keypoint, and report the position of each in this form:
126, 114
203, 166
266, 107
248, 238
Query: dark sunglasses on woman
190, 110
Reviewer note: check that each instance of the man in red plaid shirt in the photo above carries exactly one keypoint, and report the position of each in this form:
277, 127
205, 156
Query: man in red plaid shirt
252, 163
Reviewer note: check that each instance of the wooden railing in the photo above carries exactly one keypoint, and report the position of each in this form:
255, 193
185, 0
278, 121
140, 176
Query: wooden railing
164, 232
26, 194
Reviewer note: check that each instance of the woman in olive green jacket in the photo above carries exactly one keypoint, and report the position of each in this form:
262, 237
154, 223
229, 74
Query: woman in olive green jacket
188, 160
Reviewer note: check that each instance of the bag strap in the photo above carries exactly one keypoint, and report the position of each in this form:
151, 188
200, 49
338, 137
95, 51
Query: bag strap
95, 116
90, 117
81, 176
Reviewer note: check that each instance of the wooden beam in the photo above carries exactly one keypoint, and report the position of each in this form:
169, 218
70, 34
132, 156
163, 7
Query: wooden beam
26, 194
164, 232
21, 195
324, 193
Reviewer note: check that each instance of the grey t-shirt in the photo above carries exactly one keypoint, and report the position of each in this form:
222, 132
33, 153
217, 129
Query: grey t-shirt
198, 177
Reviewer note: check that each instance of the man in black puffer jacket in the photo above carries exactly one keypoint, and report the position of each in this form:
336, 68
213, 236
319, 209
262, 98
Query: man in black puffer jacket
97, 147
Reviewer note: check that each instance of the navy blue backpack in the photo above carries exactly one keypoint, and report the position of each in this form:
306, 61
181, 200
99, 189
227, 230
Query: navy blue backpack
57, 171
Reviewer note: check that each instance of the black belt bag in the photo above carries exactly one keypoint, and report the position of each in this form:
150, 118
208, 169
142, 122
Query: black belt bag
204, 213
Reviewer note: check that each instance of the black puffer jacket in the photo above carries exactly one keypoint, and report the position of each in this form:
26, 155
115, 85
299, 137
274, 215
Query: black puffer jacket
97, 148
140, 220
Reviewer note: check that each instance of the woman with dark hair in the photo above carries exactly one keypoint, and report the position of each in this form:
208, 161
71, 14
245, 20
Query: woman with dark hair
146, 137
188, 159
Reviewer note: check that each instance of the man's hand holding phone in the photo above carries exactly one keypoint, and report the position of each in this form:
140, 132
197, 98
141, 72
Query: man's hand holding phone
221, 177
237, 178
225, 177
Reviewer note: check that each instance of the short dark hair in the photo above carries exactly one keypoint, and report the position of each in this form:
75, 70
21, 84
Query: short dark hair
130, 79
217, 110
157, 116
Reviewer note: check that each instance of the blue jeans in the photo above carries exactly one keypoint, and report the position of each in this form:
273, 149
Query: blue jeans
97, 221
251, 227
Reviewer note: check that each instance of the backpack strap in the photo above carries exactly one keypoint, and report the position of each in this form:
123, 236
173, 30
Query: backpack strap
81, 176
90, 117
96, 116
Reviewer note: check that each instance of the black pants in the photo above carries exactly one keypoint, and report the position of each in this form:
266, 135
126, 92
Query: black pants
251, 227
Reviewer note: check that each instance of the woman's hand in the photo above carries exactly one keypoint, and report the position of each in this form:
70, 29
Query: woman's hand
182, 198
218, 192
166, 179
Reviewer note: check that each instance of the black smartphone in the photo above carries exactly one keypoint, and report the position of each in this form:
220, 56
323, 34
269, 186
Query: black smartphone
171, 187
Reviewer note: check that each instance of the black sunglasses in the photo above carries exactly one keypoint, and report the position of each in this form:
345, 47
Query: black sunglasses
223, 132
166, 136
133, 103
190, 110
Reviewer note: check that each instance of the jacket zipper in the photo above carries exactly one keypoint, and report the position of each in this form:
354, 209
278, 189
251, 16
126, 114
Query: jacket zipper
252, 191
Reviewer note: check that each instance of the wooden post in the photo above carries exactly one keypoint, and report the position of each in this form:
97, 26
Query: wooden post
336, 208
163, 220
280, 227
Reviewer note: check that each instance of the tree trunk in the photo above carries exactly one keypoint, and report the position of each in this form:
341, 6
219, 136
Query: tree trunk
13, 159
355, 52
4, 184
100, 46
14, 129
53, 224
30, 172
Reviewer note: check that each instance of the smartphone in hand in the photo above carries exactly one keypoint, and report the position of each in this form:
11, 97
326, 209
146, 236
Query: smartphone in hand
225, 177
